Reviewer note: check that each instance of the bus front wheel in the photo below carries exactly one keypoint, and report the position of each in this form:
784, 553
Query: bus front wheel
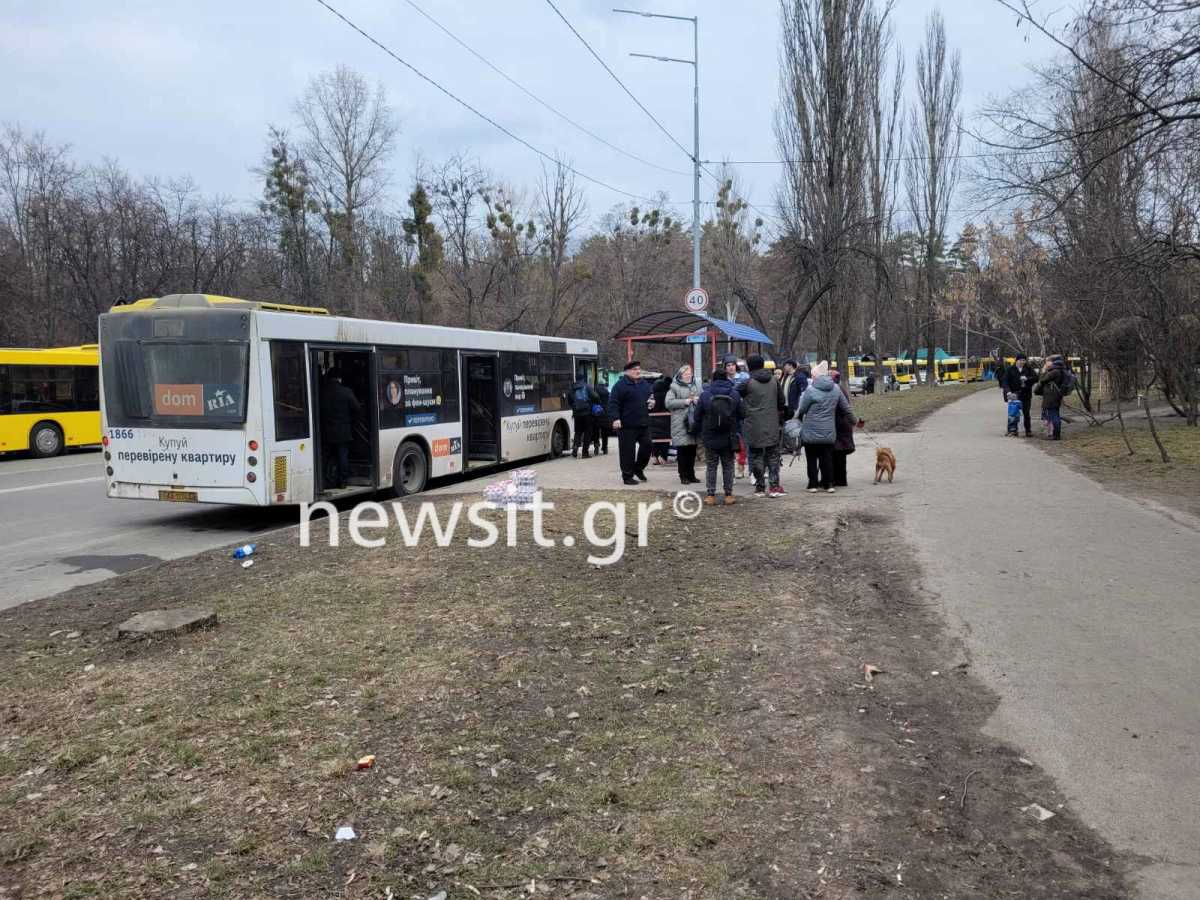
410, 473
45, 440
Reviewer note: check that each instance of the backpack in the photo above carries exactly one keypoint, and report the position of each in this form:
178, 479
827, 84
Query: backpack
1069, 383
597, 409
791, 435
581, 401
721, 416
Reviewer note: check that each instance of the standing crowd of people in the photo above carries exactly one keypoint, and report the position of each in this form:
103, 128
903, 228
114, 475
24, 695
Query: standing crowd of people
1054, 383
739, 418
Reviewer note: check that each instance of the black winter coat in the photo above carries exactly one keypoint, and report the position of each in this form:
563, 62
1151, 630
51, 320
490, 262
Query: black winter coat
339, 409
846, 420
1014, 384
718, 440
627, 402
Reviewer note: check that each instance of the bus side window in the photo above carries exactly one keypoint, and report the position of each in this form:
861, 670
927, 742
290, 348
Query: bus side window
449, 386
5, 391
87, 391
290, 385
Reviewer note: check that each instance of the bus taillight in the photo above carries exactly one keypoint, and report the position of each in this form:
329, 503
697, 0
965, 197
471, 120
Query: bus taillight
254, 445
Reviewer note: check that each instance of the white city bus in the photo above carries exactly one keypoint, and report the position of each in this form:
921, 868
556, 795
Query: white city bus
209, 399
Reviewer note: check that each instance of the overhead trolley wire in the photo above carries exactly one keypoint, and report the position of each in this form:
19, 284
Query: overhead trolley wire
607, 69
534, 97
461, 102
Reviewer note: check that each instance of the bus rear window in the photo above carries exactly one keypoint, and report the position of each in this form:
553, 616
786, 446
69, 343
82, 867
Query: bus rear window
177, 384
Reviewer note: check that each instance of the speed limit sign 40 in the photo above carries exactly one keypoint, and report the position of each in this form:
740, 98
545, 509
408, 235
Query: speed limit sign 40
696, 300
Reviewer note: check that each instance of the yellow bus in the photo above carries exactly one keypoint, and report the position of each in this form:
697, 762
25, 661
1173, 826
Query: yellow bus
954, 368
901, 369
49, 399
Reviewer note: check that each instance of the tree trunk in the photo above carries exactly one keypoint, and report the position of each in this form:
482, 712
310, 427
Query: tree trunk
1162, 451
1121, 419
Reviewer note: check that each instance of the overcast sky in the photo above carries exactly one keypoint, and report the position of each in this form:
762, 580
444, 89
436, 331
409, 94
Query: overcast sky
173, 88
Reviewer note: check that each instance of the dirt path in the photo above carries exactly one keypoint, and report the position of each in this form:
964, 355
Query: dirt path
1078, 607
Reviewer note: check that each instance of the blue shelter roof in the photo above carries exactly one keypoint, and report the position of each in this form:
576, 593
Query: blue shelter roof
678, 321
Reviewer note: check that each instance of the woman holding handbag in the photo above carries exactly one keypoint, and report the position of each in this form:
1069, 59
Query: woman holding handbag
680, 397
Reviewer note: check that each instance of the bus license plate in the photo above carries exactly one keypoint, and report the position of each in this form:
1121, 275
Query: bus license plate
179, 496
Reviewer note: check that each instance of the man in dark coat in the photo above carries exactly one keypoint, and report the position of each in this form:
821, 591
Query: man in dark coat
797, 388
763, 404
339, 410
1019, 379
629, 406
718, 415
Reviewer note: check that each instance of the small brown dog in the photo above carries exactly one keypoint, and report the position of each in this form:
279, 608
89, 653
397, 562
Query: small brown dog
885, 464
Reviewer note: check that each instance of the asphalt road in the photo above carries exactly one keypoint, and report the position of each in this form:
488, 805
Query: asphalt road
58, 530
1079, 608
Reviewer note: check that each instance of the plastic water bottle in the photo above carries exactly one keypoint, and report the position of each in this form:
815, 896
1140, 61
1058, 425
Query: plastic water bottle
243, 551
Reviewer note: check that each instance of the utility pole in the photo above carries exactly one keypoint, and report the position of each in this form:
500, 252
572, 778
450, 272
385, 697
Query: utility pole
694, 62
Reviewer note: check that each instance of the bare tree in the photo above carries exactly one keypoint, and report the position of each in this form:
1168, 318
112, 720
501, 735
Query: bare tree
561, 213
827, 86
350, 133
934, 138
884, 136
462, 200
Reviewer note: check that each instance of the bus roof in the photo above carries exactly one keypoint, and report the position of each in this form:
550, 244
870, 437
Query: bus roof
285, 322
83, 355
200, 301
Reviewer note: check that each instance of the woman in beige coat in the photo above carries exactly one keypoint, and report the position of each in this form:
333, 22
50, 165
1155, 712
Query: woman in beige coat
681, 395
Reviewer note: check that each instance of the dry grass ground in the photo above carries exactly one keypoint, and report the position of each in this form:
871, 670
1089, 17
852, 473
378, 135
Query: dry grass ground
692, 721
902, 410
1101, 452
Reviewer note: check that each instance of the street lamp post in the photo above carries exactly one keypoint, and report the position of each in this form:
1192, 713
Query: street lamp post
694, 62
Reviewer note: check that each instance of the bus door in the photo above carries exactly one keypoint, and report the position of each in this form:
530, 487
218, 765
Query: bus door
481, 418
355, 370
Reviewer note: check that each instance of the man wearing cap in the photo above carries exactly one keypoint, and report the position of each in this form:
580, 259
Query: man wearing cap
629, 406
1020, 379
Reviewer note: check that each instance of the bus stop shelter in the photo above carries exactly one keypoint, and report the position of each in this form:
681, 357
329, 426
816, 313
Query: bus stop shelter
673, 326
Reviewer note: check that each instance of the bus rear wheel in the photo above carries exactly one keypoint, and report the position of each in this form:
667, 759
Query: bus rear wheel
410, 473
45, 440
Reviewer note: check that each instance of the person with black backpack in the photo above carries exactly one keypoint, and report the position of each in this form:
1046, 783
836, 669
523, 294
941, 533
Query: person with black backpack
601, 424
1054, 385
718, 416
583, 399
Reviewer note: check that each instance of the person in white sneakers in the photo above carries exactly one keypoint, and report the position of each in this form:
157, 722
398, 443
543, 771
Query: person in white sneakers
819, 407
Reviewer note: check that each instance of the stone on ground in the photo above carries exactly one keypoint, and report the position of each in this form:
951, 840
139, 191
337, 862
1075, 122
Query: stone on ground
168, 621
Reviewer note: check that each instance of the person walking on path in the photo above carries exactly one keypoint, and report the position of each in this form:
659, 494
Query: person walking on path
818, 428
583, 398
629, 407
660, 422
843, 443
718, 415
763, 405
682, 395
1051, 388
601, 423
1019, 379
339, 411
